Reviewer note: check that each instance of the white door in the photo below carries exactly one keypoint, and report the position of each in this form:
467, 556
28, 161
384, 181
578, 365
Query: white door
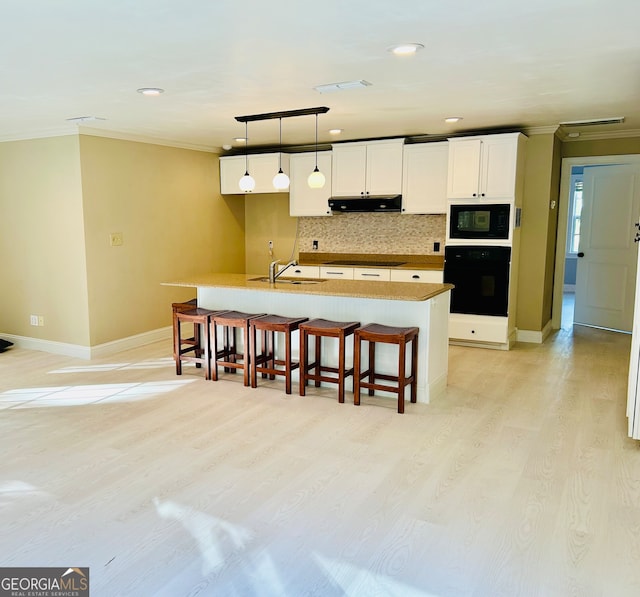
633, 391
605, 279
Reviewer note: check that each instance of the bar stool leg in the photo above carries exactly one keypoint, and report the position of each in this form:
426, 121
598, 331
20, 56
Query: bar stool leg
341, 361
402, 366
214, 354
287, 358
254, 350
356, 370
318, 358
177, 343
372, 366
414, 368
303, 362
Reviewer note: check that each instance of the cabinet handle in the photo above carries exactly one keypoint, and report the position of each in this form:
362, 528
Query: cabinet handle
297, 271
482, 194
335, 273
374, 275
474, 195
415, 277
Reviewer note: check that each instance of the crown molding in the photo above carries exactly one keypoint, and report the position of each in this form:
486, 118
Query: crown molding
540, 130
126, 136
42, 134
595, 136
75, 129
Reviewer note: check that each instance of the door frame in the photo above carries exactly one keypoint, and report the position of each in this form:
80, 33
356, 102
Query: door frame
563, 220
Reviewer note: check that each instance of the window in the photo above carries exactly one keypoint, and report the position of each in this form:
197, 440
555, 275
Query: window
573, 240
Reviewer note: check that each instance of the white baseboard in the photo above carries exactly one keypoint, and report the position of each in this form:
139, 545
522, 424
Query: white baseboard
90, 352
535, 337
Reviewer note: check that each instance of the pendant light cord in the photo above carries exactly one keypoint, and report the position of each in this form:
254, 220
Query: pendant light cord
280, 155
246, 151
316, 141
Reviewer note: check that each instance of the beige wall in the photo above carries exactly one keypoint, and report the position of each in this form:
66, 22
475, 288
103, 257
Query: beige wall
60, 199
267, 218
43, 269
538, 232
166, 203
580, 149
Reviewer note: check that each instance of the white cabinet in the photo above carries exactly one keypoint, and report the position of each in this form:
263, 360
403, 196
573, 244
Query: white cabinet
262, 167
485, 167
373, 274
373, 168
417, 275
478, 328
303, 200
336, 273
300, 271
424, 178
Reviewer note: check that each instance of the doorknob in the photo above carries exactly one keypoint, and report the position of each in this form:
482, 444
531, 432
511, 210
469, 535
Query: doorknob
581, 254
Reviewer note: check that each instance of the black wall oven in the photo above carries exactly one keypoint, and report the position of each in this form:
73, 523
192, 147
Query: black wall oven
480, 275
479, 221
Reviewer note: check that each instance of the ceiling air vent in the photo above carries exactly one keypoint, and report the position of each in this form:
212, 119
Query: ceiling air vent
592, 121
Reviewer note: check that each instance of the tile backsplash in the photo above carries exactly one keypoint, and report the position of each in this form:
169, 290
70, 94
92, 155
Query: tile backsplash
384, 233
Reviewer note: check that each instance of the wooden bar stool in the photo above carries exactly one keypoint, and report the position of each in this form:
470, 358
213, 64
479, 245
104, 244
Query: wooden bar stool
194, 340
265, 361
182, 348
228, 356
320, 328
374, 333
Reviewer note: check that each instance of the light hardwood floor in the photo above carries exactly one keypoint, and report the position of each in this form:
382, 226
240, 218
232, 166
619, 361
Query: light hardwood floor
521, 481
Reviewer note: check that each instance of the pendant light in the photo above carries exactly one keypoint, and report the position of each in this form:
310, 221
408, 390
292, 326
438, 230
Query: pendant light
316, 179
247, 182
280, 180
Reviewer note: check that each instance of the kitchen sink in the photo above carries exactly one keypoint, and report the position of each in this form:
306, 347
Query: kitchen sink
288, 280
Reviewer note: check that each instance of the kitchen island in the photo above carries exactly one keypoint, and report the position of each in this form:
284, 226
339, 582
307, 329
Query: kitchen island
425, 306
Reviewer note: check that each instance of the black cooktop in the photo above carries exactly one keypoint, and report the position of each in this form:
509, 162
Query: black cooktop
365, 263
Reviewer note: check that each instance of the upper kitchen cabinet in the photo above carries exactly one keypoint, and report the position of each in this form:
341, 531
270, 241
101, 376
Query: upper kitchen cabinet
262, 167
371, 168
485, 167
303, 200
424, 178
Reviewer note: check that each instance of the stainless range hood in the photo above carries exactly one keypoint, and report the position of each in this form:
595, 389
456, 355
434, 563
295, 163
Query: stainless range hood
371, 203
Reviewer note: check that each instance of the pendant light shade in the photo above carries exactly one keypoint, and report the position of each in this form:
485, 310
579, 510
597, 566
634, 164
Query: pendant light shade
316, 179
280, 180
247, 183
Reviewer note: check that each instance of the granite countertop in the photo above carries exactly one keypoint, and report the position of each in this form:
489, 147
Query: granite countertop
399, 291
423, 262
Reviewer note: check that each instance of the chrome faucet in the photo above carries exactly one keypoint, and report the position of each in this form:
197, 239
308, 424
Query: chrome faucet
273, 275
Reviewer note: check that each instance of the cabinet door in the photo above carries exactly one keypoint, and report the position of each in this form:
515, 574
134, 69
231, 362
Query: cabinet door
416, 275
384, 168
344, 273
373, 274
498, 167
348, 170
305, 201
464, 168
232, 169
301, 271
424, 178
263, 167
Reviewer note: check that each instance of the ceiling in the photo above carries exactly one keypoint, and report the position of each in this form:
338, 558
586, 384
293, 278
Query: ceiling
497, 64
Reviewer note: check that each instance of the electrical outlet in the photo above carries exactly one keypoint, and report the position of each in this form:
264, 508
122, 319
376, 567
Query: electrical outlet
436, 247
314, 245
33, 319
40, 320
116, 239
270, 245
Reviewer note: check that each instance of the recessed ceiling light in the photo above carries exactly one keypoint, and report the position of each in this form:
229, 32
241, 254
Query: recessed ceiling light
452, 119
150, 90
335, 131
405, 49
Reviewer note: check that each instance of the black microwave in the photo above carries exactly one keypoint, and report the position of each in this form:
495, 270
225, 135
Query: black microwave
478, 221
